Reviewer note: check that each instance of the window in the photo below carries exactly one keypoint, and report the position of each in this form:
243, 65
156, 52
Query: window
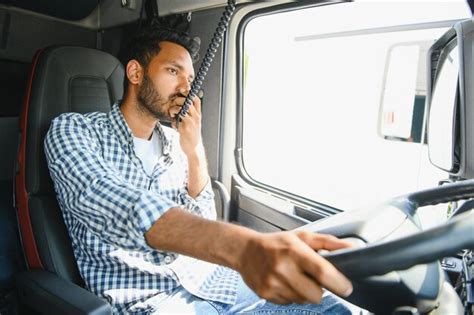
320, 102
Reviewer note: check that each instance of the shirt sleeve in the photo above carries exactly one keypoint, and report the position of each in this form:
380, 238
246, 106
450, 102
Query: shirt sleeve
203, 205
93, 191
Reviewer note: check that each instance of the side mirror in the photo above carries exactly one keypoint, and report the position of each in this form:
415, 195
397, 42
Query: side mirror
402, 111
451, 99
442, 121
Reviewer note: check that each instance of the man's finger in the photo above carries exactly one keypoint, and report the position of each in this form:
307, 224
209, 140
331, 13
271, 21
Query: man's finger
192, 110
197, 104
301, 287
324, 241
288, 292
179, 100
174, 111
324, 273
306, 288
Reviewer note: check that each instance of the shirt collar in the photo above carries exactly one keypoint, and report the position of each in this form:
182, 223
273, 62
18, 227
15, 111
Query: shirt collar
125, 133
165, 141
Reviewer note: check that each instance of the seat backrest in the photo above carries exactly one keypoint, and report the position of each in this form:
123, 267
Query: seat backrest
62, 79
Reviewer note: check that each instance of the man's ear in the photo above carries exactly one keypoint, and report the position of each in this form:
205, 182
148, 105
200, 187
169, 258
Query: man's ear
134, 72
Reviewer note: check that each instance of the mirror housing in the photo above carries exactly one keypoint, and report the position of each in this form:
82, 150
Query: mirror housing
454, 121
443, 122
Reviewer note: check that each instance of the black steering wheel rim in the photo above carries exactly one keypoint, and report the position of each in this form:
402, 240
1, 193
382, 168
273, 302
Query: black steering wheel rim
398, 250
400, 254
422, 247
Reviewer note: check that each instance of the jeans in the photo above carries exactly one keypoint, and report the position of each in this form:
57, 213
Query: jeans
180, 301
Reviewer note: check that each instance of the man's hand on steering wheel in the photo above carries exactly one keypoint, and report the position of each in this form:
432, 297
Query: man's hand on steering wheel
284, 267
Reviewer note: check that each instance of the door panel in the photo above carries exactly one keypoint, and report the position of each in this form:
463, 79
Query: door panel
261, 210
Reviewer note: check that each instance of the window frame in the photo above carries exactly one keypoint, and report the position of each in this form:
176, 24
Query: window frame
303, 205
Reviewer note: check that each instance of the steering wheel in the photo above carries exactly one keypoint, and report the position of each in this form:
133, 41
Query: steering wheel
395, 263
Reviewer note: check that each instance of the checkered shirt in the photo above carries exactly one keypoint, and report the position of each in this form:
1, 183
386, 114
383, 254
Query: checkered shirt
109, 202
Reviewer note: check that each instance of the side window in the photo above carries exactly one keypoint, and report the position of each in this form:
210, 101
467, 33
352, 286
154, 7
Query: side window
334, 99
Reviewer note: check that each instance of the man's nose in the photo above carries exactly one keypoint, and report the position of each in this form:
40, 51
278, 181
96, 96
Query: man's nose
184, 87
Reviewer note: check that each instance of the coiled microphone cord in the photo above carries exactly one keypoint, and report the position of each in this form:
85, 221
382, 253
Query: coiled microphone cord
207, 60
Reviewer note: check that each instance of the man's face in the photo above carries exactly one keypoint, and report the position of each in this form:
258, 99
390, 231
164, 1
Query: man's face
166, 81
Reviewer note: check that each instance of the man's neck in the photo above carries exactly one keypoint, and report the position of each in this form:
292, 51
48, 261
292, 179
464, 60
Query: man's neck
141, 123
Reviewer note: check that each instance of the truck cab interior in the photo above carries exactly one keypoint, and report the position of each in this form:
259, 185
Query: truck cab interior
348, 118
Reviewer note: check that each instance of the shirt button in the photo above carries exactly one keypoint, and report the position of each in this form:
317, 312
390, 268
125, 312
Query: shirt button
168, 259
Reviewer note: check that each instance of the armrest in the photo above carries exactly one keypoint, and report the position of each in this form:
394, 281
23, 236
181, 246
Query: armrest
47, 293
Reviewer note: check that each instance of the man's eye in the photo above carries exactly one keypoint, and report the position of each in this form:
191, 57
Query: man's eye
172, 71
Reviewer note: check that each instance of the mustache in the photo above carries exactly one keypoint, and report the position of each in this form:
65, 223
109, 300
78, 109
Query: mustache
175, 96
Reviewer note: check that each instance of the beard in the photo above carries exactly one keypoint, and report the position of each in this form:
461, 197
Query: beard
150, 100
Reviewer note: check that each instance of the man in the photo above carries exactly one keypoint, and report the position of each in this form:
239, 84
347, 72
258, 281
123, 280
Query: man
138, 205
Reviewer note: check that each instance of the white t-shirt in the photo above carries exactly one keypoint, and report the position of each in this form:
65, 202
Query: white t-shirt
148, 151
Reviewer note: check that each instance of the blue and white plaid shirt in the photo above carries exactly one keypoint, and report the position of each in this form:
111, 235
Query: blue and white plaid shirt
109, 202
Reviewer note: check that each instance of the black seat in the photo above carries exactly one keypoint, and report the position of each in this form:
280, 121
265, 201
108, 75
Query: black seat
62, 79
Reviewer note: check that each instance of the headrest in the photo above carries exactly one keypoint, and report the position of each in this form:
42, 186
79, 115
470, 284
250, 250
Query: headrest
66, 79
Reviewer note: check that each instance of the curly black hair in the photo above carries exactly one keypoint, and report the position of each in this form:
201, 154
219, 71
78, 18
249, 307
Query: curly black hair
146, 44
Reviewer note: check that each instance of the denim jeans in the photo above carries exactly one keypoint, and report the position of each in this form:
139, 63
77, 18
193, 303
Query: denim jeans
180, 301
